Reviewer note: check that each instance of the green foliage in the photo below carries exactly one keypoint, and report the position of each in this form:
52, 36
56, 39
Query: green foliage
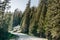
32, 25
4, 35
43, 21
3, 24
17, 17
52, 18
26, 19
8, 18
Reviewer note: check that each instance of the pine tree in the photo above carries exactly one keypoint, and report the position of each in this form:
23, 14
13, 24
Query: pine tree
42, 12
25, 19
8, 18
2, 9
32, 28
3, 31
17, 17
45, 22
52, 19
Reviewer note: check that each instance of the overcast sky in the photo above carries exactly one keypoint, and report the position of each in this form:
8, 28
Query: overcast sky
21, 4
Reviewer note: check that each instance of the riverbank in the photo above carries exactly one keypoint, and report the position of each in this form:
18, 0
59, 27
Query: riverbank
22, 36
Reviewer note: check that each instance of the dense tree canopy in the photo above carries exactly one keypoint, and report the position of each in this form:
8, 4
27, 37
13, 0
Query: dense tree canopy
41, 21
44, 20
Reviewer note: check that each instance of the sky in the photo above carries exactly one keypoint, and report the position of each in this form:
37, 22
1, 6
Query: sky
21, 4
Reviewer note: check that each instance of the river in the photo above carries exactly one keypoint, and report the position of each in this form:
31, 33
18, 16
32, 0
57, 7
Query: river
22, 36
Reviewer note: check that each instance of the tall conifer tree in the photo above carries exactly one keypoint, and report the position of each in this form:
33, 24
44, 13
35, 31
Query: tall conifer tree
3, 31
25, 19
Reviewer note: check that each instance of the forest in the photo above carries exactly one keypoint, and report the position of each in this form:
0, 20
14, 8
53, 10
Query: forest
42, 21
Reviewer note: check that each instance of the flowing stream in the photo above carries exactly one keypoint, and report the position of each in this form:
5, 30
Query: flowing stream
22, 36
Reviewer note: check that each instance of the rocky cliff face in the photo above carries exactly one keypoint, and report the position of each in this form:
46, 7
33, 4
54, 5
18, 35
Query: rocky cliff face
43, 21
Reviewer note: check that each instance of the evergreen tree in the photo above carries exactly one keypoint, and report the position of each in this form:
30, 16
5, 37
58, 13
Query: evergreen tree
2, 9
17, 17
52, 19
32, 25
25, 19
44, 22
42, 11
3, 31
8, 18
